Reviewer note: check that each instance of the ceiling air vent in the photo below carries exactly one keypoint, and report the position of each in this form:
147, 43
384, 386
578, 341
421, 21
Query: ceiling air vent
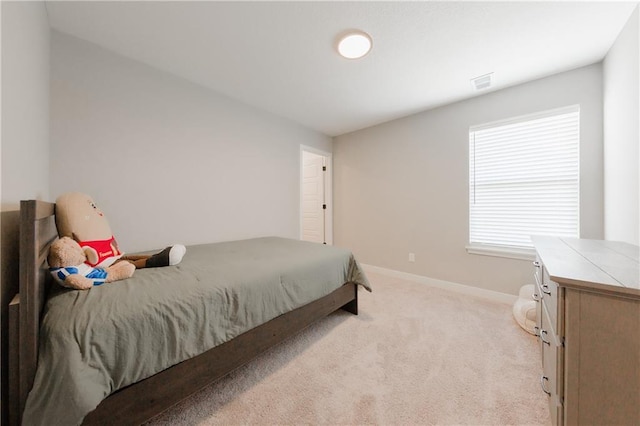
482, 82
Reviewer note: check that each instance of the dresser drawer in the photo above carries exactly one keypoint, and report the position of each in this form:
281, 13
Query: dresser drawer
537, 292
551, 379
546, 292
537, 271
536, 296
549, 294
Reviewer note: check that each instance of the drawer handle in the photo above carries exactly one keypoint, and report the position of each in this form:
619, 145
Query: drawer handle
542, 380
542, 334
545, 289
536, 263
536, 331
535, 297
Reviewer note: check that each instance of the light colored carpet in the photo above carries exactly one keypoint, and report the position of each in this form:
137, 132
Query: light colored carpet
414, 355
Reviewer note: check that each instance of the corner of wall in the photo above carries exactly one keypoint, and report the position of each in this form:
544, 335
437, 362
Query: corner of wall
621, 147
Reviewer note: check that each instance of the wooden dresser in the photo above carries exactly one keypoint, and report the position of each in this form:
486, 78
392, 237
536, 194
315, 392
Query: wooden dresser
588, 325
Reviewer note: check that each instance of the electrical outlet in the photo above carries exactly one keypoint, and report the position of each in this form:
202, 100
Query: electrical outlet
412, 257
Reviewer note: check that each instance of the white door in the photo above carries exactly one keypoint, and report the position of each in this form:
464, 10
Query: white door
313, 197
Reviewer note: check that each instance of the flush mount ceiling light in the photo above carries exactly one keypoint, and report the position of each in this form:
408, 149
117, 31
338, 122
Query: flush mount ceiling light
354, 44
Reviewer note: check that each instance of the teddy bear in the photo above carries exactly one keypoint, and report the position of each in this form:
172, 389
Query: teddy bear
78, 217
67, 265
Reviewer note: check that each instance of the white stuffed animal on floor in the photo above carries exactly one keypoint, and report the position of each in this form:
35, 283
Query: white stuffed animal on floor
524, 309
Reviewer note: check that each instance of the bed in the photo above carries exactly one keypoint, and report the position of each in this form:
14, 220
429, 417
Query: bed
124, 352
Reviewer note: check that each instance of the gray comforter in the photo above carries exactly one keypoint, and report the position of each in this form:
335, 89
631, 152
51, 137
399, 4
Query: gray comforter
98, 341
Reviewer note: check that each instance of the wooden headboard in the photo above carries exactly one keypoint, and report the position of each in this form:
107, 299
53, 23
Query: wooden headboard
37, 232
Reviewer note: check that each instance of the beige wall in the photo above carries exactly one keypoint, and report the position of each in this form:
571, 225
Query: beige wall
621, 74
402, 186
167, 160
25, 138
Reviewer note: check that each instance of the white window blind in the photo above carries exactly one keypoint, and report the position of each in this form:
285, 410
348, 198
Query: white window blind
525, 179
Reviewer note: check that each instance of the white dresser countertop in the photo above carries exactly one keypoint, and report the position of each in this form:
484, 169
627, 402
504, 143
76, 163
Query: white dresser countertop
608, 266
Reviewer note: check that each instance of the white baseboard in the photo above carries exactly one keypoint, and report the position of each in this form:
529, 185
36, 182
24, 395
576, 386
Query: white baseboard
447, 285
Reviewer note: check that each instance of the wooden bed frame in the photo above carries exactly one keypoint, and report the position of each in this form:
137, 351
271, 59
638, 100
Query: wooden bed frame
143, 400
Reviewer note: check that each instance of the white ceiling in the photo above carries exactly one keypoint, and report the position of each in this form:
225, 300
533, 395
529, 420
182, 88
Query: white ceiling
280, 56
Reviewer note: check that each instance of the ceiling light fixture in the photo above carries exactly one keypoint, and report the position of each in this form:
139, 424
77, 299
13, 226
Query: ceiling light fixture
354, 44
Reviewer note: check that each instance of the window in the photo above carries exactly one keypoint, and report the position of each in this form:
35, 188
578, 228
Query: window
524, 179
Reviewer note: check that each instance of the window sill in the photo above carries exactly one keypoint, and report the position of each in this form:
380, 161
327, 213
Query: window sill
510, 253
